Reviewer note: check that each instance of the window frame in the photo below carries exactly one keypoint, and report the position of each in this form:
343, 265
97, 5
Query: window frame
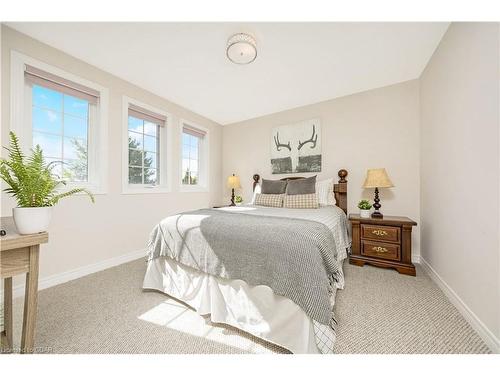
203, 160
21, 120
163, 156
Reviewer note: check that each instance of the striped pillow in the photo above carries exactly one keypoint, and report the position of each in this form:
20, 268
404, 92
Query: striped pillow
301, 201
269, 200
324, 190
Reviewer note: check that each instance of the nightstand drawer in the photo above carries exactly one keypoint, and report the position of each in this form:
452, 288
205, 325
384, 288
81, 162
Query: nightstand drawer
382, 233
381, 250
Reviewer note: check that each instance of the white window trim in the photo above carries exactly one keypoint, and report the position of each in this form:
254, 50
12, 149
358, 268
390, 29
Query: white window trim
204, 176
165, 158
20, 119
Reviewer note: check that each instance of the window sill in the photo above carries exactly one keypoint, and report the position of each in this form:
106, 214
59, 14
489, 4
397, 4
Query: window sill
145, 190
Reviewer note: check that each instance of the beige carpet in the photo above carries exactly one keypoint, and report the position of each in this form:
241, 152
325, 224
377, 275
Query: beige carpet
379, 311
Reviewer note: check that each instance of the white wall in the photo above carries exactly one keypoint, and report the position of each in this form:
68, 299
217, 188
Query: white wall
376, 128
459, 98
82, 233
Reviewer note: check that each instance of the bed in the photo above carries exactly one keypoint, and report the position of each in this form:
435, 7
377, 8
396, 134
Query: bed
271, 272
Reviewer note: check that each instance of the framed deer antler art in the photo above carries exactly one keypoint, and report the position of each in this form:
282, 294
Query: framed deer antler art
296, 148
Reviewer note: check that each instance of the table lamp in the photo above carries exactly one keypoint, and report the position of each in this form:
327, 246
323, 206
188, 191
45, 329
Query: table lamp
233, 182
377, 178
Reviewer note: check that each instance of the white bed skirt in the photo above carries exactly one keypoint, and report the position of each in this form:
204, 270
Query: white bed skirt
253, 309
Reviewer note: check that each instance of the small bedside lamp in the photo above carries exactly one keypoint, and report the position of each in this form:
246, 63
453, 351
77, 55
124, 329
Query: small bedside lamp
377, 178
233, 182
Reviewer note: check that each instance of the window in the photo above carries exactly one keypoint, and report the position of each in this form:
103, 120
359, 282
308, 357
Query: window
60, 121
193, 169
60, 126
190, 159
145, 148
65, 115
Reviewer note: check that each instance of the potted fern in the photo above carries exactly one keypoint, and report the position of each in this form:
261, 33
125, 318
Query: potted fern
364, 208
32, 183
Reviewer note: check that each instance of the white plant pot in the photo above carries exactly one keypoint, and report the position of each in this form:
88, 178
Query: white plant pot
30, 220
365, 214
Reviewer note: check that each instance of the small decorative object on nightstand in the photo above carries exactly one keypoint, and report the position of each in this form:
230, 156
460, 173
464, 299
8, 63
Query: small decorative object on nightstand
233, 182
364, 208
377, 178
382, 242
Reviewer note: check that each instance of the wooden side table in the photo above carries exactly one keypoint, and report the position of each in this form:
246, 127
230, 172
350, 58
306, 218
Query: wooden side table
382, 242
18, 255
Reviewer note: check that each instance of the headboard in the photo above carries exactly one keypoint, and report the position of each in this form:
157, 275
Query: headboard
339, 189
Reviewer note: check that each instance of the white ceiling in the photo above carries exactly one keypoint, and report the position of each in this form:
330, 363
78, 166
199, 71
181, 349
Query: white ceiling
297, 63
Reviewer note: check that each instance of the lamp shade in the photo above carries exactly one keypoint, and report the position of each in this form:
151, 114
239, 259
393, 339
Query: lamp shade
377, 178
233, 182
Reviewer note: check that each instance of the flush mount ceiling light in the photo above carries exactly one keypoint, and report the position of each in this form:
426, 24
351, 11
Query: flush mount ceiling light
241, 49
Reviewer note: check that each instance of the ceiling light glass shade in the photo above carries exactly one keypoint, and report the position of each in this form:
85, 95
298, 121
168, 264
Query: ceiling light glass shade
241, 49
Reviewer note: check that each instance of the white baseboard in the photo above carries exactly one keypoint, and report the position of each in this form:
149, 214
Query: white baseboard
488, 337
47, 282
415, 258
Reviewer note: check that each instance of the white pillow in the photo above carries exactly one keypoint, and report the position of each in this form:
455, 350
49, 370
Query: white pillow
256, 191
324, 191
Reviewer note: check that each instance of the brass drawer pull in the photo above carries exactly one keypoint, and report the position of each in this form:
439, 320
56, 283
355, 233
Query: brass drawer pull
379, 232
379, 249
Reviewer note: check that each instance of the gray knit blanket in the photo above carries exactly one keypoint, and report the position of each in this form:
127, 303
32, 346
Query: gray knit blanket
296, 258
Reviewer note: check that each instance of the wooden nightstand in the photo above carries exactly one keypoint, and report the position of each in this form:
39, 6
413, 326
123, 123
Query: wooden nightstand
382, 242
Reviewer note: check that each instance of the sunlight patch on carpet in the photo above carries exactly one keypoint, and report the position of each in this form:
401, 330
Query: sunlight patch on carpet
173, 315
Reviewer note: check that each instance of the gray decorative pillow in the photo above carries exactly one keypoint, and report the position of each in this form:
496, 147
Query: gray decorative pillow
273, 186
302, 186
